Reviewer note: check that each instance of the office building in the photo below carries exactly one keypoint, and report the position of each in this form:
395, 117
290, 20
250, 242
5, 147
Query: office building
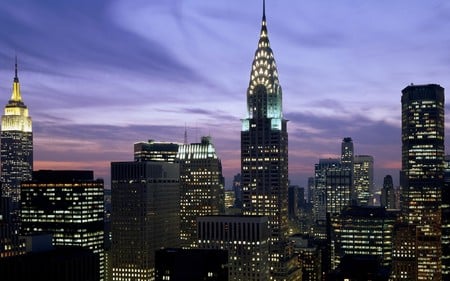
16, 146
363, 179
176, 264
237, 188
264, 154
319, 195
338, 189
202, 187
68, 205
366, 231
422, 174
246, 238
145, 216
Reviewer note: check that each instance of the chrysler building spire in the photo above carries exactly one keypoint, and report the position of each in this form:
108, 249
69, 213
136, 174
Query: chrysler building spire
264, 80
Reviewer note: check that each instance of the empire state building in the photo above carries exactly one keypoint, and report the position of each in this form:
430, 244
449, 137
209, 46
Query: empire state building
264, 153
16, 145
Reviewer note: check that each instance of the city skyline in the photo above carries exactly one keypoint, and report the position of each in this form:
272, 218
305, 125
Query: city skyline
101, 76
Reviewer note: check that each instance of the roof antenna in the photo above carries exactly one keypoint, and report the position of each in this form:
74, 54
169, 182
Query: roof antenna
264, 9
16, 78
185, 134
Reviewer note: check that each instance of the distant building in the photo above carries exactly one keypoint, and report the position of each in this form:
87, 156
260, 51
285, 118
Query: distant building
145, 216
388, 194
191, 264
67, 204
202, 187
363, 179
246, 238
237, 188
319, 195
422, 174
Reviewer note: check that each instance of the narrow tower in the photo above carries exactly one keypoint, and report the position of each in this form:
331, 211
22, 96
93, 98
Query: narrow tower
264, 152
16, 145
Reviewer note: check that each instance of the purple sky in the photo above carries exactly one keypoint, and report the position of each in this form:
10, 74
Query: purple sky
100, 75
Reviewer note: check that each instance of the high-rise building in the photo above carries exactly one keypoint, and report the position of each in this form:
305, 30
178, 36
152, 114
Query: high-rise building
237, 188
145, 216
363, 178
388, 194
68, 205
16, 145
264, 153
202, 187
338, 189
422, 174
246, 238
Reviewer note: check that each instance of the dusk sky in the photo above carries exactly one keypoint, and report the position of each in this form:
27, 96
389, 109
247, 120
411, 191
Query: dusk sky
98, 76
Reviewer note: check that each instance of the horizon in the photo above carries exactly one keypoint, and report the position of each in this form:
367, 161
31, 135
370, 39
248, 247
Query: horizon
98, 77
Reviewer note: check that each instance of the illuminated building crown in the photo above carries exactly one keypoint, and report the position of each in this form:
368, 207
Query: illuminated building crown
15, 117
264, 80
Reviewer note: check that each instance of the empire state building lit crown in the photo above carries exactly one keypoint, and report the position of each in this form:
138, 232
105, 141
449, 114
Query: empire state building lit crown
16, 116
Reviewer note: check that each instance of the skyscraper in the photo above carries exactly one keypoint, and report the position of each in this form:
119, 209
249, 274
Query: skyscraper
16, 145
68, 205
264, 152
422, 174
145, 216
202, 187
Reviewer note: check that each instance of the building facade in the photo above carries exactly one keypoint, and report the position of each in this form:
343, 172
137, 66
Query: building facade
246, 238
68, 205
364, 231
145, 216
264, 154
422, 174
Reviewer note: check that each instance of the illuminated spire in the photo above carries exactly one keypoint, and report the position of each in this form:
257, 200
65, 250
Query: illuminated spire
264, 77
15, 96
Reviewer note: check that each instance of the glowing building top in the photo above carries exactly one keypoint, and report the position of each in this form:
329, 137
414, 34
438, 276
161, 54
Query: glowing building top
15, 117
264, 96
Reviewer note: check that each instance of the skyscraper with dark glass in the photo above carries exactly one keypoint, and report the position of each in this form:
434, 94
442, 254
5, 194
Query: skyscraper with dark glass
264, 152
16, 145
422, 174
